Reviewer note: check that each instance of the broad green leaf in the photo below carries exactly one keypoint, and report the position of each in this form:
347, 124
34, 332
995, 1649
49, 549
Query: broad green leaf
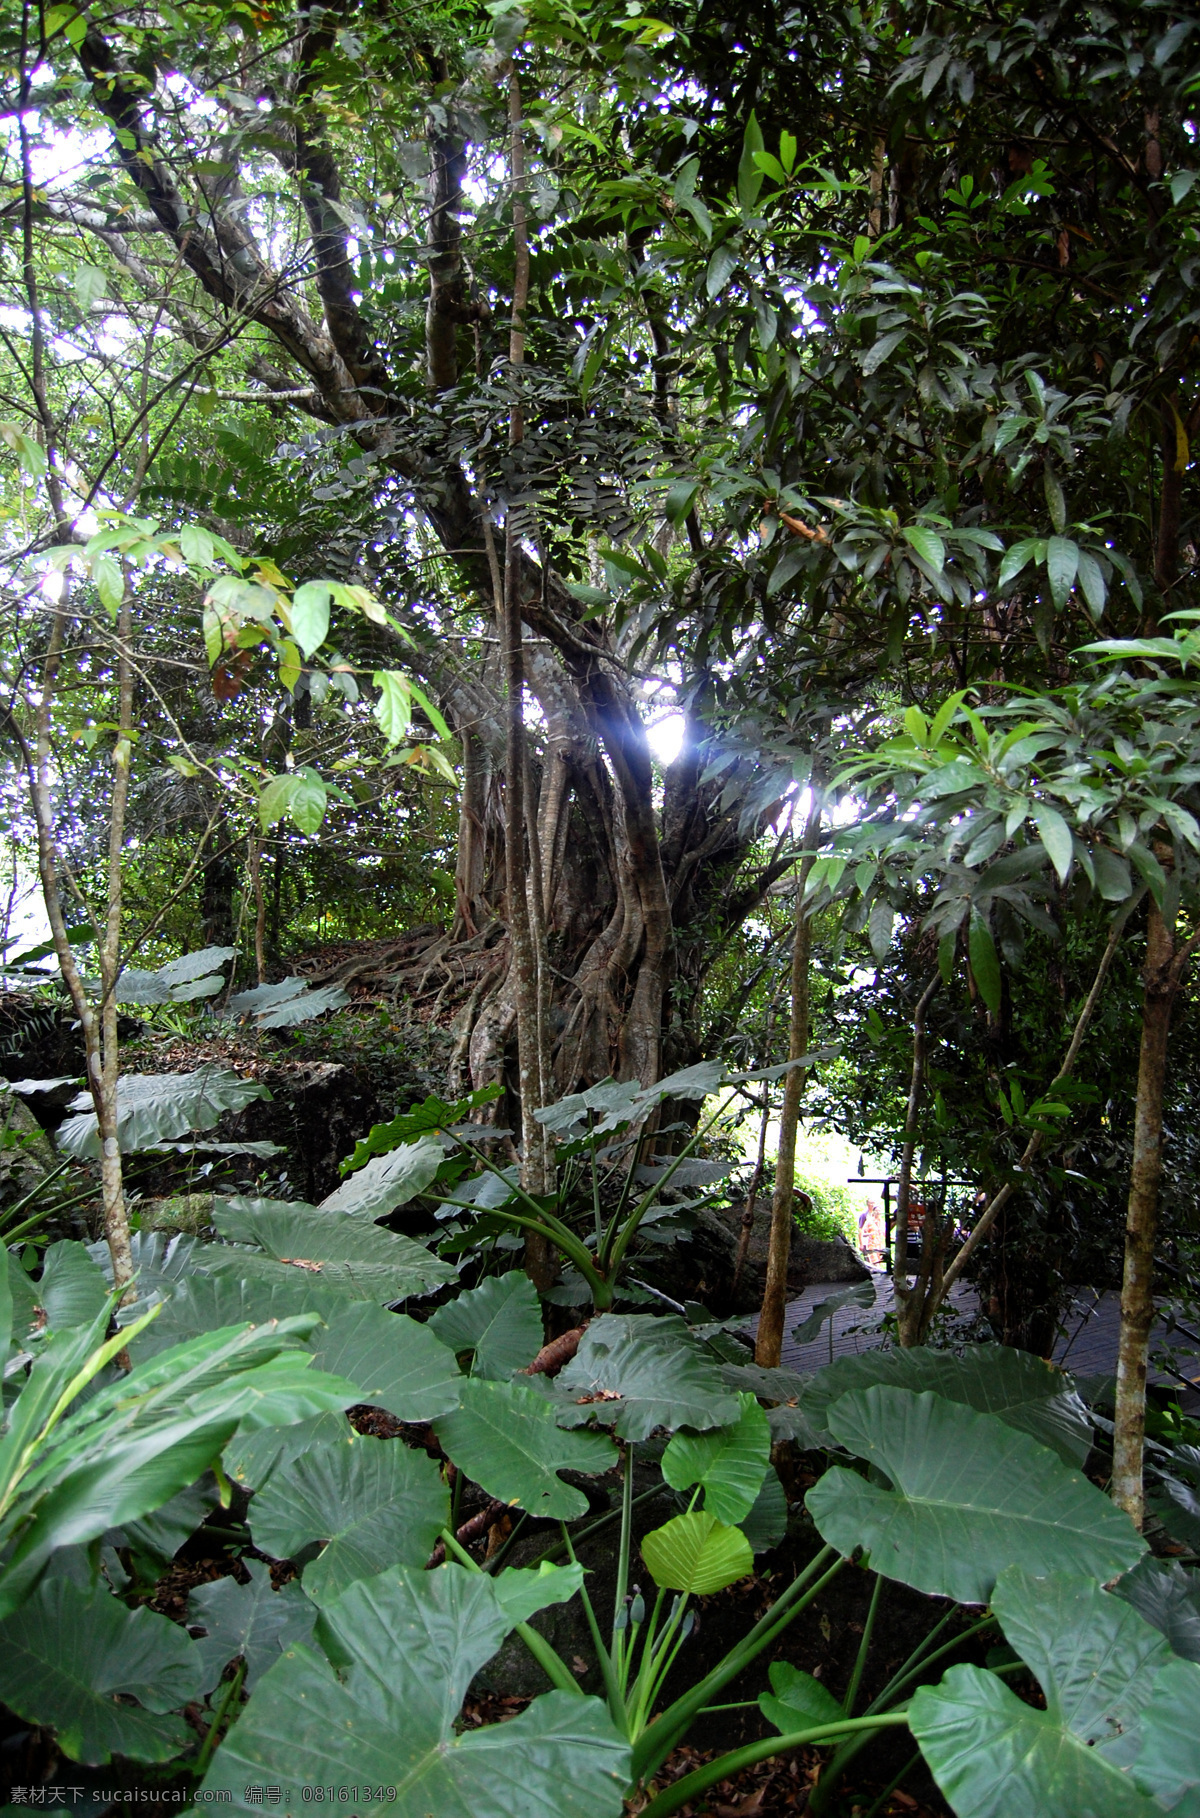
657, 1369
971, 1496
393, 709
789, 1418
397, 1363
797, 1701
499, 1322
721, 268
310, 616
1092, 1654
1169, 1763
289, 1002
331, 1245
995, 1757
159, 1107
728, 1463
522, 1593
307, 801
1113, 879
371, 1502
1062, 565
506, 1439
1115, 1702
68, 1655
197, 546
749, 176
880, 923
1055, 836
251, 1622
1015, 1386
697, 1554
72, 1289
766, 1524
387, 1181
203, 1303
251, 1458
1167, 1595
985, 963
377, 1707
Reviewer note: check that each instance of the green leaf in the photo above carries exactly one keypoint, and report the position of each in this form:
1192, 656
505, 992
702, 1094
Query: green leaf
749, 176
196, 546
371, 1502
721, 268
766, 1524
971, 1496
341, 1250
251, 1622
67, 1656
310, 616
680, 499
398, 1364
1092, 582
1056, 505
72, 1290
928, 545
1166, 1594
880, 923
858, 1294
388, 1181
1015, 1386
499, 1322
506, 1439
881, 350
160, 1534
1113, 878
1113, 1698
729, 1464
696, 1553
985, 964
251, 1459
1015, 559
995, 1757
658, 1371
1055, 836
797, 1701
90, 285
393, 709
307, 801
201, 1303
1062, 565
522, 1593
159, 1107
378, 1706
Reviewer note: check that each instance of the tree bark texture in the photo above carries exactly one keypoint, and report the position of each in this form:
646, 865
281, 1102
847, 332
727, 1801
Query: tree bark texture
1162, 978
768, 1346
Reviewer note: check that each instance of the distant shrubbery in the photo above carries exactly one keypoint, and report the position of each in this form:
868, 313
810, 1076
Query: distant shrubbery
833, 1210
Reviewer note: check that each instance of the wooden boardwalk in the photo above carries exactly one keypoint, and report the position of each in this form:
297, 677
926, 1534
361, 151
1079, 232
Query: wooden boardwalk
1087, 1344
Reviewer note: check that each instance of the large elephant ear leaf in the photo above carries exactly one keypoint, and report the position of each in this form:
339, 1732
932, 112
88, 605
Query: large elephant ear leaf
156, 1108
252, 1622
696, 1553
1109, 1699
370, 1503
506, 1439
387, 1181
376, 1706
970, 1496
650, 1372
1167, 1595
68, 1659
729, 1463
499, 1323
340, 1252
1015, 1386
398, 1364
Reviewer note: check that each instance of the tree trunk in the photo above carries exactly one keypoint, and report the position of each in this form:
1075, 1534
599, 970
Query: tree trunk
768, 1346
1163, 976
912, 1320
